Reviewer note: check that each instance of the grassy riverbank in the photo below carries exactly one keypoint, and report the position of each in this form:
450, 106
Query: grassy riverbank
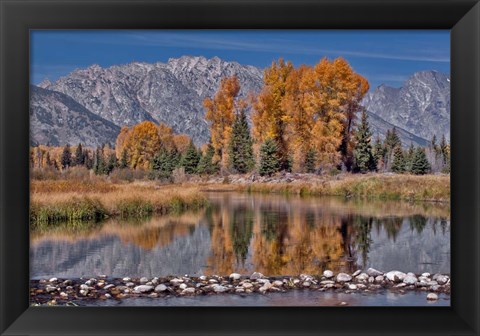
93, 200
432, 188
69, 200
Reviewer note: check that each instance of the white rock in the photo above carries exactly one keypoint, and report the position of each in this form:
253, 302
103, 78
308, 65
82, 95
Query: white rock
235, 276
395, 276
278, 283
109, 286
410, 279
202, 278
373, 272
160, 288
357, 272
176, 281
143, 289
84, 287
352, 287
83, 292
432, 297
183, 286
362, 276
256, 275
53, 280
442, 279
219, 288
143, 280
379, 278
426, 275
189, 290
343, 277
328, 274
127, 279
247, 285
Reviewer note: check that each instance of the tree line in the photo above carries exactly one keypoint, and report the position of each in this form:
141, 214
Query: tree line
304, 119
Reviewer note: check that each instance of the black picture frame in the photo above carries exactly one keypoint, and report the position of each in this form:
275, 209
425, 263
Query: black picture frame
17, 17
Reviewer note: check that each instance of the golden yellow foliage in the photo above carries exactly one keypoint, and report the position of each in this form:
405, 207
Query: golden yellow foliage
220, 112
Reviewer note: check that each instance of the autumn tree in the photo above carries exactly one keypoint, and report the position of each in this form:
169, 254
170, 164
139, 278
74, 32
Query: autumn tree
240, 150
270, 118
141, 142
364, 160
220, 113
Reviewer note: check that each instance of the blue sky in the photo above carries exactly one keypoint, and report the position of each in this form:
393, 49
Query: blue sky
382, 56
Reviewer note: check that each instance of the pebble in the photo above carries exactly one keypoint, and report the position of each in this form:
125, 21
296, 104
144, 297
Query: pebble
410, 279
53, 280
343, 277
189, 290
143, 280
235, 276
127, 279
352, 287
143, 289
395, 276
256, 275
247, 285
219, 288
160, 288
373, 272
432, 297
361, 277
328, 274
183, 286
357, 272
278, 283
442, 279
107, 287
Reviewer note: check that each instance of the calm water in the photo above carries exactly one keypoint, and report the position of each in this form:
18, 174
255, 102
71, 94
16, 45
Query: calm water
272, 234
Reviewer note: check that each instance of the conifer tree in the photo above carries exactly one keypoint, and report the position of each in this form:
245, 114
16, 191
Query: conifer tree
240, 145
79, 157
162, 164
269, 161
123, 159
409, 158
364, 160
66, 159
88, 159
190, 159
206, 165
310, 161
420, 164
111, 164
379, 153
398, 164
99, 164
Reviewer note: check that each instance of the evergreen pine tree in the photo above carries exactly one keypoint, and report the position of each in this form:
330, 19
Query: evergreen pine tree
269, 162
379, 152
66, 159
164, 162
99, 165
364, 160
79, 156
398, 163
409, 158
190, 159
240, 148
310, 161
123, 159
88, 159
111, 164
444, 149
206, 165
420, 164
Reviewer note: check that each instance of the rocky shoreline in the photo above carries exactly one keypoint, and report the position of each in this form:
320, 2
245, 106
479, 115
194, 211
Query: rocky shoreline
56, 291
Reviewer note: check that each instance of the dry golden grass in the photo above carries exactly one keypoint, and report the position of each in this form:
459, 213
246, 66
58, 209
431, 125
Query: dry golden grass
433, 188
52, 201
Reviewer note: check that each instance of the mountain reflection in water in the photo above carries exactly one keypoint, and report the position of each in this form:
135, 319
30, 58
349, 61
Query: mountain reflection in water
271, 234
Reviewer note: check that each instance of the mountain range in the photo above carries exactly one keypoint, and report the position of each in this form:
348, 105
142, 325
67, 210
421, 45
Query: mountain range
90, 105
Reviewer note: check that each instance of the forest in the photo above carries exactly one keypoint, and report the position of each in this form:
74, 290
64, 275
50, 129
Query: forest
305, 119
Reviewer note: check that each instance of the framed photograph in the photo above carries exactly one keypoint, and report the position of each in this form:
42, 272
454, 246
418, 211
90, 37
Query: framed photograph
251, 168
